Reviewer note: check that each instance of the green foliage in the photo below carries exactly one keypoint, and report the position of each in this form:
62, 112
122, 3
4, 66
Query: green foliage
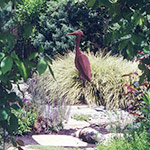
42, 65
81, 117
64, 17
15, 65
26, 118
26, 23
5, 14
146, 109
6, 64
56, 128
92, 22
128, 28
29, 10
139, 98
144, 64
8, 120
52, 33
106, 87
131, 141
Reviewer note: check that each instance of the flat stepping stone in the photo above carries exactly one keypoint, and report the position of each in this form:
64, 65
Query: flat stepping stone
59, 140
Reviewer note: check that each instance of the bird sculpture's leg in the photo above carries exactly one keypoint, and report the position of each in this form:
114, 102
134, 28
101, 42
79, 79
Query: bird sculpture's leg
83, 99
83, 83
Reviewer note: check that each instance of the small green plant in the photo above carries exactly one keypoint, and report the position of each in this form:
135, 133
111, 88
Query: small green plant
56, 128
26, 118
114, 126
131, 141
81, 117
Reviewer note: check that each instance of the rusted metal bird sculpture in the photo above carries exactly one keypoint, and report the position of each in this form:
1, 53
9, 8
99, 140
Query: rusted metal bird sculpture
81, 60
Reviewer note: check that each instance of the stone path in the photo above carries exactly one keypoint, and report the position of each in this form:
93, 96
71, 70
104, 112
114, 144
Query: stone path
60, 140
99, 119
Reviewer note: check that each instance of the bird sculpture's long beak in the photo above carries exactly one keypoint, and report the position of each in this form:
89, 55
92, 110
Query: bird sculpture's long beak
72, 33
76, 33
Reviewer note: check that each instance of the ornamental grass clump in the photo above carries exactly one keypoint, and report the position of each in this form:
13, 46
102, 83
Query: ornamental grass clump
106, 87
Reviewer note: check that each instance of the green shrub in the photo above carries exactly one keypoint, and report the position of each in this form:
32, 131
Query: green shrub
5, 14
29, 10
26, 118
132, 141
54, 25
106, 87
63, 17
26, 24
138, 95
51, 21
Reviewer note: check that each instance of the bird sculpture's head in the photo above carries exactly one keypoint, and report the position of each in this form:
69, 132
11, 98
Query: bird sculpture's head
77, 33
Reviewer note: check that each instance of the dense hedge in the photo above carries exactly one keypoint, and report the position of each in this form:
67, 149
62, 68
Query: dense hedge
67, 16
52, 30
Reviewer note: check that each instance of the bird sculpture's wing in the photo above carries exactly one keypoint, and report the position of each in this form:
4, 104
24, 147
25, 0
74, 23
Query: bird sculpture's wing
84, 65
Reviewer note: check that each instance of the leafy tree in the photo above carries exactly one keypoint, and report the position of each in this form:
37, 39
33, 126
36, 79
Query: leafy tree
15, 67
128, 29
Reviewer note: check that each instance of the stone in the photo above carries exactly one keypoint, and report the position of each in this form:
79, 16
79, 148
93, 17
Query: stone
23, 87
97, 129
59, 140
99, 108
75, 124
90, 135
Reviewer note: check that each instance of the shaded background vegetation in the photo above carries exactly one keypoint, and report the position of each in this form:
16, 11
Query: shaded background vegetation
55, 20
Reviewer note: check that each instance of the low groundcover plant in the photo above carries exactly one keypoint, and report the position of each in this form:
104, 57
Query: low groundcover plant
135, 140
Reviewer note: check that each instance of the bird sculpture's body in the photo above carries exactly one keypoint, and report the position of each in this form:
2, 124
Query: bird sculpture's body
81, 60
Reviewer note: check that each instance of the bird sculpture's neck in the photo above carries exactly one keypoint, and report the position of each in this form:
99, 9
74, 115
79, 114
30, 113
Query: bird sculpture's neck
77, 45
